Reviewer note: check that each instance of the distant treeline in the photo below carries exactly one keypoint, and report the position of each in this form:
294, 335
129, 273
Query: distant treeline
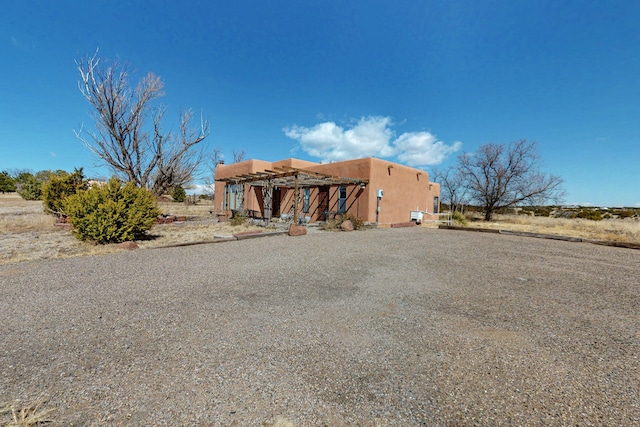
588, 212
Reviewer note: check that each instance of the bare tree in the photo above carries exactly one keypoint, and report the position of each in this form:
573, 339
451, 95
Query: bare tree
452, 189
209, 180
239, 155
214, 158
148, 157
499, 176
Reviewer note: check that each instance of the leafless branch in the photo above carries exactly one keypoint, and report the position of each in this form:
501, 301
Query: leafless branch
452, 189
239, 155
499, 176
147, 157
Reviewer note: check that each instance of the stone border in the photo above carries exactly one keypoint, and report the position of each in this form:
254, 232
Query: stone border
403, 224
220, 239
627, 245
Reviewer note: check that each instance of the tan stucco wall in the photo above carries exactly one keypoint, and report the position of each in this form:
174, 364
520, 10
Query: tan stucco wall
358, 200
293, 163
236, 169
405, 188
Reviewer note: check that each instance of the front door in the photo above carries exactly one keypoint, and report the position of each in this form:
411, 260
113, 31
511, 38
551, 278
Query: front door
275, 209
323, 203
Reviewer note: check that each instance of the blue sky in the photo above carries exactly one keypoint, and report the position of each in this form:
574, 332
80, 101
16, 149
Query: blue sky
417, 82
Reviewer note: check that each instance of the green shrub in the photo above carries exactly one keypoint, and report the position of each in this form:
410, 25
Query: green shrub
544, 211
112, 213
178, 194
591, 214
28, 186
459, 218
7, 184
59, 187
561, 213
238, 219
626, 213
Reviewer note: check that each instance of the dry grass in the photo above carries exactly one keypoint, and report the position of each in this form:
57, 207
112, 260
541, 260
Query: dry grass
190, 232
618, 230
202, 209
27, 233
26, 415
335, 224
26, 222
18, 216
282, 422
14, 200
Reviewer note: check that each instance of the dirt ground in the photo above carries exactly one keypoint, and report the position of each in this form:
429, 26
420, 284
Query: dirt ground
410, 327
26, 233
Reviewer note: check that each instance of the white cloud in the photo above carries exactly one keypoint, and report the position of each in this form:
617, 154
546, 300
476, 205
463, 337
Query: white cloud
52, 154
423, 148
370, 136
328, 141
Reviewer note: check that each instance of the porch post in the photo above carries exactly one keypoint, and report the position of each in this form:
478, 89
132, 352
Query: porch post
267, 198
295, 199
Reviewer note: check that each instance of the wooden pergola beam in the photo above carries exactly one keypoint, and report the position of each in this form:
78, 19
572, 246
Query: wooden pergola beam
286, 177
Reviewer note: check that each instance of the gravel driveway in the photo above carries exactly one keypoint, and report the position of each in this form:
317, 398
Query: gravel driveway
399, 327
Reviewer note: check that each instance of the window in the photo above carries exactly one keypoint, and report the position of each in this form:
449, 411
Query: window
436, 204
306, 199
235, 193
342, 199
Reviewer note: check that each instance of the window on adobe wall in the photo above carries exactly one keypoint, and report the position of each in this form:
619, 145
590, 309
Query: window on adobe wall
235, 198
436, 204
306, 199
229, 196
342, 199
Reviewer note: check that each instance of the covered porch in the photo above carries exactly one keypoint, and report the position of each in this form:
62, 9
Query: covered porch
303, 194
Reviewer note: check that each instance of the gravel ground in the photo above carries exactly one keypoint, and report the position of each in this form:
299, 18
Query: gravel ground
411, 327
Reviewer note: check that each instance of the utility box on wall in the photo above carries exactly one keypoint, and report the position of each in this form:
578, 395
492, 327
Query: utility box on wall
380, 194
417, 216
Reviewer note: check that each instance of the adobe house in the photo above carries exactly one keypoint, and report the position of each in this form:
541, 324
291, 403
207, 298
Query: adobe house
268, 190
